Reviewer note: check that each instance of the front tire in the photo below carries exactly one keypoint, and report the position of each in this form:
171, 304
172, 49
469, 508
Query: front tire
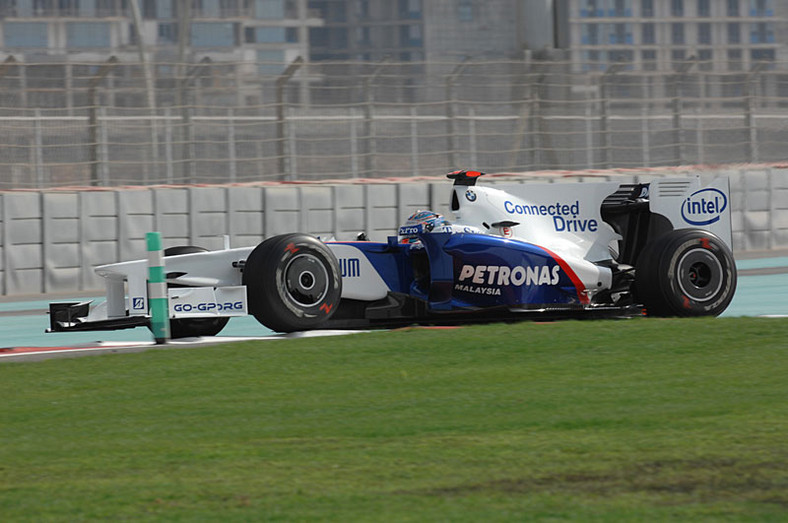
686, 272
292, 282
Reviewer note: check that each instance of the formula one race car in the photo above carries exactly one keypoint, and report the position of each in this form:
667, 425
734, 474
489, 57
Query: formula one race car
511, 252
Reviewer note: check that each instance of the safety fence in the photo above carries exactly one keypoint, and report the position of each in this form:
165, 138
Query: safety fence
103, 124
50, 241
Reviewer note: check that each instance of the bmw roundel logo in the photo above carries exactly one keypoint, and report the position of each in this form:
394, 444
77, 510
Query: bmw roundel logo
470, 195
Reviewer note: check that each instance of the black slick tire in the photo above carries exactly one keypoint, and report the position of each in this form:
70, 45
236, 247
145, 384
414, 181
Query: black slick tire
292, 283
686, 272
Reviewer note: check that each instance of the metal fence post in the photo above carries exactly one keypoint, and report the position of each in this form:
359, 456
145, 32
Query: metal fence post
677, 104
150, 88
604, 106
589, 138
168, 156
472, 137
522, 143
450, 116
540, 138
68, 85
604, 129
93, 139
369, 124
292, 149
353, 116
23, 84
231, 146
38, 148
699, 139
189, 146
533, 127
749, 109
414, 142
103, 146
188, 167
281, 139
93, 131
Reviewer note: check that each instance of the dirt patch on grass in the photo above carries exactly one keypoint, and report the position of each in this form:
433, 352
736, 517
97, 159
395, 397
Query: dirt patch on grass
670, 481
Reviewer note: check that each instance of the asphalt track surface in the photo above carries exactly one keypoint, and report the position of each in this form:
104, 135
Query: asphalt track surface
762, 291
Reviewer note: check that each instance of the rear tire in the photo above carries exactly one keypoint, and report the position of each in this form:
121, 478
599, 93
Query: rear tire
193, 327
686, 272
292, 283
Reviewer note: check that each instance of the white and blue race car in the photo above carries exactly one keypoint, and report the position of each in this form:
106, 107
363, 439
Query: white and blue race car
510, 252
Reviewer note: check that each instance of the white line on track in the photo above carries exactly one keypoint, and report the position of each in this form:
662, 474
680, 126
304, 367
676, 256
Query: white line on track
42, 353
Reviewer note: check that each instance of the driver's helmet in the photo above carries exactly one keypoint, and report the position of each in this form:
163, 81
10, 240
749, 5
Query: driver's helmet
428, 219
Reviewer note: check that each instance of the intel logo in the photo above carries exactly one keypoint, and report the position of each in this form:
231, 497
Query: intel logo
704, 207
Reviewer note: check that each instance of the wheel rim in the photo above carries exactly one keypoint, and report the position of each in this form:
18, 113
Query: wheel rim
306, 280
700, 274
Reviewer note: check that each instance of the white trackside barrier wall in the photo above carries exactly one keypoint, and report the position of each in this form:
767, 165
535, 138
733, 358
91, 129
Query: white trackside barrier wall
51, 240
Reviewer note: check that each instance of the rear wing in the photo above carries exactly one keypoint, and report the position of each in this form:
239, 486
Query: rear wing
686, 203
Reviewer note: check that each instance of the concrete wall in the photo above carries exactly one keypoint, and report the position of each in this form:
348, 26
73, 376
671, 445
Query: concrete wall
51, 240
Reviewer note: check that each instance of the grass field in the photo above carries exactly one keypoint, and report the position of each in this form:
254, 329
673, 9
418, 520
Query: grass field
642, 419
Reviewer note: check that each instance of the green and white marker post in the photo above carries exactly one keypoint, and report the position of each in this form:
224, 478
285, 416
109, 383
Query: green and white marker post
157, 289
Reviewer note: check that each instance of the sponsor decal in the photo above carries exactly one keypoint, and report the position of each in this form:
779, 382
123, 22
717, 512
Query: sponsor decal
470, 195
456, 229
209, 307
477, 279
565, 215
704, 207
488, 291
350, 267
557, 209
507, 232
575, 225
138, 303
411, 230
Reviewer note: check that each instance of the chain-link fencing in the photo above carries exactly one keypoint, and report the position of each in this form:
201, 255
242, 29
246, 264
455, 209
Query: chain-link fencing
103, 124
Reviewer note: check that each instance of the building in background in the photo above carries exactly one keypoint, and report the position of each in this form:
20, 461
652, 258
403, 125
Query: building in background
267, 31
368, 30
658, 35
276, 30
723, 35
456, 29
431, 30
